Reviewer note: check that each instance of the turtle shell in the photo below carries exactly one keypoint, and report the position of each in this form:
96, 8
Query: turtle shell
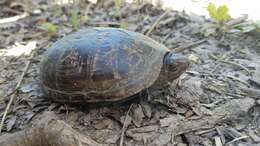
100, 65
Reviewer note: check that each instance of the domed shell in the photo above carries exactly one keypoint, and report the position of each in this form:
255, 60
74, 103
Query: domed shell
100, 65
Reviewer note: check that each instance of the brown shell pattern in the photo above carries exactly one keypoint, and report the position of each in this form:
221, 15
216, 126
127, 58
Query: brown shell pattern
100, 65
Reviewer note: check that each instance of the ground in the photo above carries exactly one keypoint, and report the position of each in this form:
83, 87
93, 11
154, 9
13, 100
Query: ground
215, 102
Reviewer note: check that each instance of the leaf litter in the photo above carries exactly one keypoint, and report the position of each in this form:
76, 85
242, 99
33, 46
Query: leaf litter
216, 102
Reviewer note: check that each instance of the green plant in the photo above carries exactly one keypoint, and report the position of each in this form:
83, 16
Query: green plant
49, 27
219, 14
76, 20
246, 27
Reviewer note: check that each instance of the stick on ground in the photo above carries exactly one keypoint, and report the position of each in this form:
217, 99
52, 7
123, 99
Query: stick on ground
189, 45
15, 91
48, 132
157, 22
124, 126
13, 19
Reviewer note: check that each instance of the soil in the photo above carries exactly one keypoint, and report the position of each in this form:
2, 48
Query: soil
215, 102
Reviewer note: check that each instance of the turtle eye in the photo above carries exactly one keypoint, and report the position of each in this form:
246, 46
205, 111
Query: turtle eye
172, 67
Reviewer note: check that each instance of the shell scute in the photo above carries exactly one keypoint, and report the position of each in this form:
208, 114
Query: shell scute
100, 65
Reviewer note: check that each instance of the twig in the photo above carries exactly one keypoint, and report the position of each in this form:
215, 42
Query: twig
214, 89
11, 93
225, 56
124, 126
2, 81
205, 131
226, 76
48, 131
238, 79
157, 22
218, 141
236, 64
237, 21
210, 105
197, 73
222, 137
15, 91
13, 19
237, 139
237, 95
6, 9
255, 93
165, 38
192, 129
224, 59
189, 45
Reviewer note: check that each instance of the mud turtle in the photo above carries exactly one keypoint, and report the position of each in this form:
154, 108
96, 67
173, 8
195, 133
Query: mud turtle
98, 65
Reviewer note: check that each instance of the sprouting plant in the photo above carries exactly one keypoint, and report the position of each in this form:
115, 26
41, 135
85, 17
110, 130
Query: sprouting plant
74, 20
77, 19
49, 27
219, 14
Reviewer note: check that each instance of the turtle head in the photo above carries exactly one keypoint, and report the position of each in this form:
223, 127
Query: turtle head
174, 65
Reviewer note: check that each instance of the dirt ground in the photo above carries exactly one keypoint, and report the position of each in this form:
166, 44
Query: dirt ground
216, 102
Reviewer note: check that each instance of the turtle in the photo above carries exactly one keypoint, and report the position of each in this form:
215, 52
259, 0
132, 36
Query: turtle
106, 65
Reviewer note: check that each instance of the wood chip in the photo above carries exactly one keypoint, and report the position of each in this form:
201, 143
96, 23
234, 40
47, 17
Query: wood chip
218, 141
138, 116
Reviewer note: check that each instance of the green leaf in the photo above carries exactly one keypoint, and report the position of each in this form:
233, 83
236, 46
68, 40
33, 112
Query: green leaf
212, 10
219, 14
49, 27
74, 20
222, 13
